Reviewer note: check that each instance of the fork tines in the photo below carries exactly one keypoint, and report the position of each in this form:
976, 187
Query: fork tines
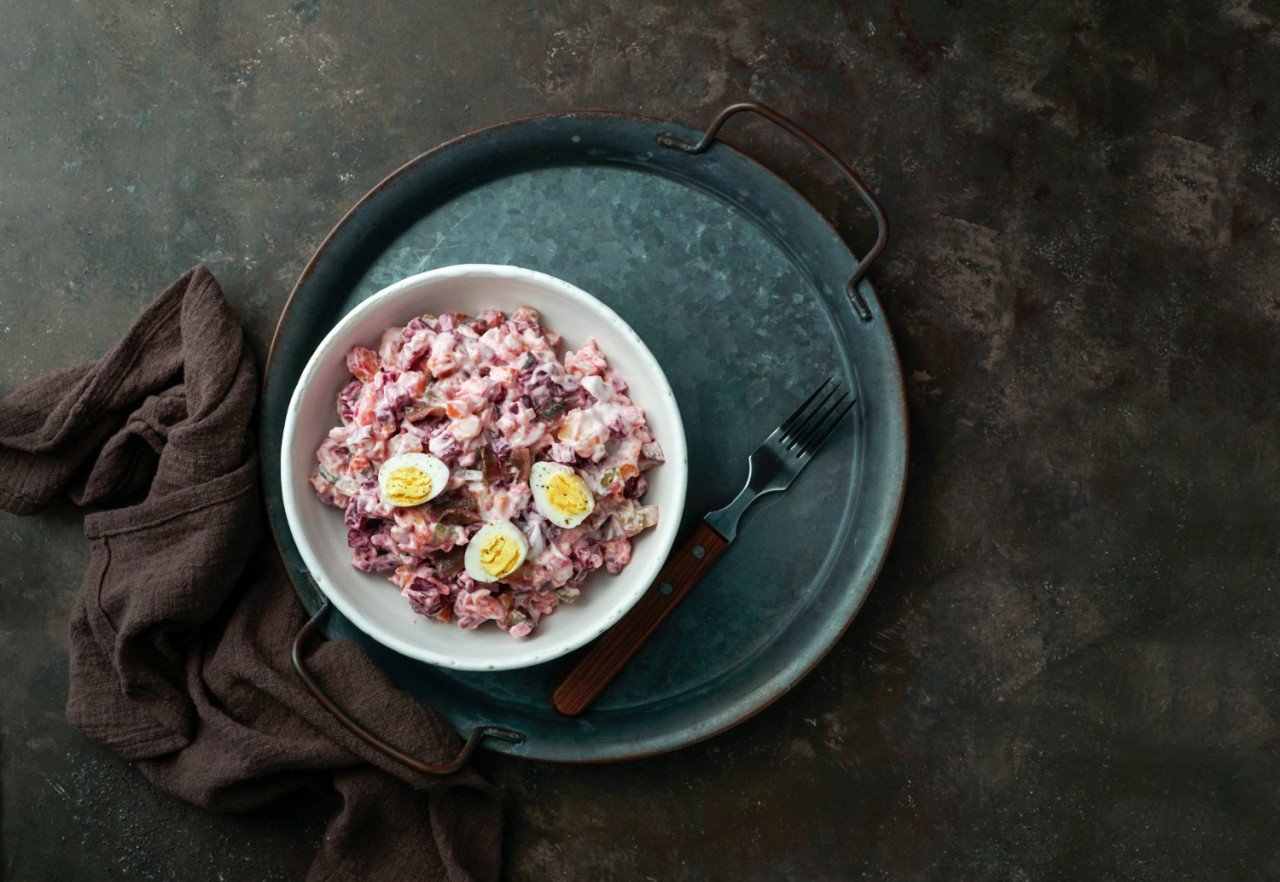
806, 429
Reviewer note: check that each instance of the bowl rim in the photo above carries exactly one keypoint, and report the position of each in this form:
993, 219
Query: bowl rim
674, 444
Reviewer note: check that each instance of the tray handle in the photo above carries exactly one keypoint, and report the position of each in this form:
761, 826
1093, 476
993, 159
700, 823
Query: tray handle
856, 300
314, 687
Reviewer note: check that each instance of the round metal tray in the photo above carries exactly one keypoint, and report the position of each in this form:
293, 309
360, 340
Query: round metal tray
743, 292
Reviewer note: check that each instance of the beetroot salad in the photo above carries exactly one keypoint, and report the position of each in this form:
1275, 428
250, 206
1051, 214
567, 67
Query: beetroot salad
483, 473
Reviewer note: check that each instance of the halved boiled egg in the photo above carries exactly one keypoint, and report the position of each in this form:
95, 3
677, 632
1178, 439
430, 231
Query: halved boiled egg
560, 494
495, 552
412, 479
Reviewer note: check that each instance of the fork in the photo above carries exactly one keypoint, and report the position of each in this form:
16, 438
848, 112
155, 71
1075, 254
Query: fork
771, 468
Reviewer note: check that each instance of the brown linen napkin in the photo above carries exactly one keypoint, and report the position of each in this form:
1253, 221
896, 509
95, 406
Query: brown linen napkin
181, 633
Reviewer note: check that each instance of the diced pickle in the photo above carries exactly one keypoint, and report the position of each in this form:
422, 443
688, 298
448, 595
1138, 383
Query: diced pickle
550, 411
421, 410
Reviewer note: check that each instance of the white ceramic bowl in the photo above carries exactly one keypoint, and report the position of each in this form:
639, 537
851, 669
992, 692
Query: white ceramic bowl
373, 603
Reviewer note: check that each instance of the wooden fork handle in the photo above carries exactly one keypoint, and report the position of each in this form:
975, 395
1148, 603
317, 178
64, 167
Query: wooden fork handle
607, 656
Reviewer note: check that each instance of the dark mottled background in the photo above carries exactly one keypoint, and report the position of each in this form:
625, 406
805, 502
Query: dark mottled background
1071, 664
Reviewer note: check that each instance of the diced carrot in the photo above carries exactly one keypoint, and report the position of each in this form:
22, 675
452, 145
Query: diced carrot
363, 363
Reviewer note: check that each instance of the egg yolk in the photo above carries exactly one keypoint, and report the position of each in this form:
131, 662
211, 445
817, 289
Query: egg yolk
567, 494
408, 486
499, 555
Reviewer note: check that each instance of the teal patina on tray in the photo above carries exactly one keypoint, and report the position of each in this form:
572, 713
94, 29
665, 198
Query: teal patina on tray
736, 284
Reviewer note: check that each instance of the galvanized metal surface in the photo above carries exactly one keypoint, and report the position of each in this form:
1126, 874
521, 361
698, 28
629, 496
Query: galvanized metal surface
737, 285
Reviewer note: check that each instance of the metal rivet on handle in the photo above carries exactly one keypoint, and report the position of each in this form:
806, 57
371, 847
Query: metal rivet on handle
698, 551
666, 587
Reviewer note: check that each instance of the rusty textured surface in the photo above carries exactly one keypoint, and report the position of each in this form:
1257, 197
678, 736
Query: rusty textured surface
1071, 664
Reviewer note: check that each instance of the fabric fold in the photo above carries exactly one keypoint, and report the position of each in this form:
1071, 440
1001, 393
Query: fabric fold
181, 633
